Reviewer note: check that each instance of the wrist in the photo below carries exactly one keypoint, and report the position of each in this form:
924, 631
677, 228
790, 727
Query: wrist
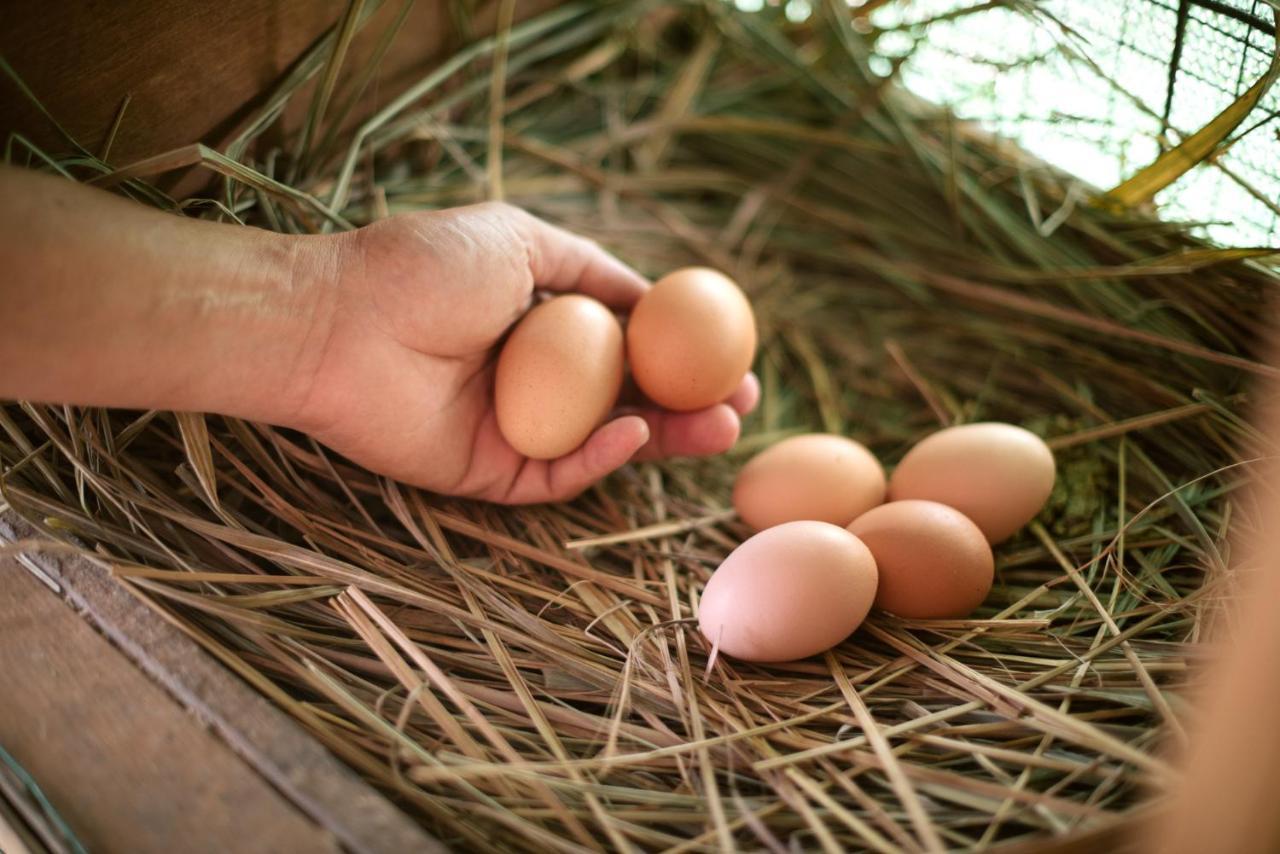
278, 369
109, 303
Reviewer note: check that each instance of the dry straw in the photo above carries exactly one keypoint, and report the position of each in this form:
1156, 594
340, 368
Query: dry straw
531, 678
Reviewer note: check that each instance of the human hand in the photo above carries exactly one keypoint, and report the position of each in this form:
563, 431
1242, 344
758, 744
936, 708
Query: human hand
400, 379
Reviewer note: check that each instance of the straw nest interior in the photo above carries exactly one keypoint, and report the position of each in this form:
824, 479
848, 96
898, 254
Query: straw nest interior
531, 678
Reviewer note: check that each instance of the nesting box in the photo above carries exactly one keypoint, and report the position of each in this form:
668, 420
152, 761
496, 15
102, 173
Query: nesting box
524, 678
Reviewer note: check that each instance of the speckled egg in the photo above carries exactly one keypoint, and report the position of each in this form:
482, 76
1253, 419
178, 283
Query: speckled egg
816, 476
998, 475
558, 376
933, 560
691, 339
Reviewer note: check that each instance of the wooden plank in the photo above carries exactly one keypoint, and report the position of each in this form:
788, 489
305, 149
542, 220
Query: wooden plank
136, 771
195, 71
125, 765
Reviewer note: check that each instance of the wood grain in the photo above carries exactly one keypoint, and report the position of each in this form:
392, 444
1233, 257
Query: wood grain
171, 667
194, 71
125, 765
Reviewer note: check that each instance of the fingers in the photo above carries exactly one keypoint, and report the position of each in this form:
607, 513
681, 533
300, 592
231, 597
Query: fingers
610, 447
703, 433
746, 395
689, 434
562, 261
743, 400
647, 435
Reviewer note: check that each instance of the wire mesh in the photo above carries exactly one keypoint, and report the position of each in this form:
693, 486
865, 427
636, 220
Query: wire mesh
1100, 87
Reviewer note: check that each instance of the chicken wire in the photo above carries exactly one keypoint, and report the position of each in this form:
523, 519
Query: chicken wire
1100, 87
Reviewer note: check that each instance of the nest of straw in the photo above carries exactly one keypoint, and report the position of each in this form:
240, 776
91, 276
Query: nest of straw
531, 678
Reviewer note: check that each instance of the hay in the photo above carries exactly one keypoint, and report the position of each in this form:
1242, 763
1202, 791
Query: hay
530, 678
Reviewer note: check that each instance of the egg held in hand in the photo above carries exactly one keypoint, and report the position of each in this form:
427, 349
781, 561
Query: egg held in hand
789, 592
558, 376
816, 476
691, 339
998, 475
933, 561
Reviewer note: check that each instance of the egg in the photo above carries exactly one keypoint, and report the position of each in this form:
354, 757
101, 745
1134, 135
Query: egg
998, 475
558, 376
815, 476
933, 560
789, 592
691, 339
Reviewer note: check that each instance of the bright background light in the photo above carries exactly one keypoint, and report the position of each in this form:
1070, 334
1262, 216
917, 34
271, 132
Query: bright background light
1082, 84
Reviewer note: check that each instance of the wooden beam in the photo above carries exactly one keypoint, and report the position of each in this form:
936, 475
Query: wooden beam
93, 717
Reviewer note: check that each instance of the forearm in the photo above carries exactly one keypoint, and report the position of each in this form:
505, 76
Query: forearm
106, 302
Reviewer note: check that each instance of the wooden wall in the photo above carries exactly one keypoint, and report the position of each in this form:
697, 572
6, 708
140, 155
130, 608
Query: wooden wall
194, 70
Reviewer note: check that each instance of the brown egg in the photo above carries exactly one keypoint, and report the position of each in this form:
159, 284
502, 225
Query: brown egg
998, 475
558, 376
816, 476
789, 592
691, 339
933, 560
